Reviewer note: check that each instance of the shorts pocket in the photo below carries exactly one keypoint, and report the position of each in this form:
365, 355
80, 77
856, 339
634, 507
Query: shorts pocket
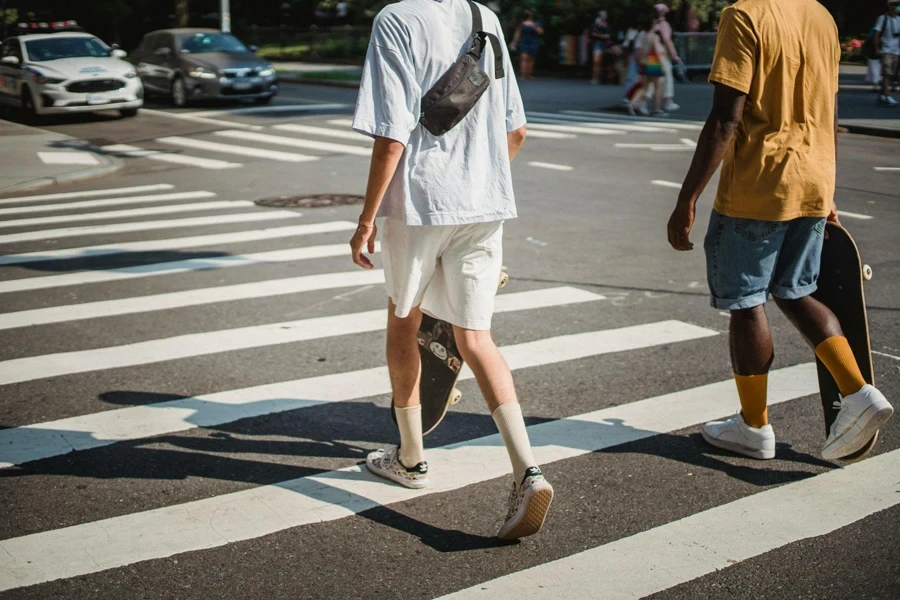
753, 230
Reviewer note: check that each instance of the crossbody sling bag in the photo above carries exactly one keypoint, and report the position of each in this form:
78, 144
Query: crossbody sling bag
448, 102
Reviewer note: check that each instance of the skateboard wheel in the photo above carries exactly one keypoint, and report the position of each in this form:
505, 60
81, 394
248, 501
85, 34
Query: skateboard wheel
504, 279
867, 272
455, 396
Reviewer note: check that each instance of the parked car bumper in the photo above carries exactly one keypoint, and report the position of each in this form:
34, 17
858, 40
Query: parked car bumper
56, 99
224, 88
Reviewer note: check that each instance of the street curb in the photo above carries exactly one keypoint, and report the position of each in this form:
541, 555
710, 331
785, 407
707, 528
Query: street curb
872, 131
77, 176
324, 82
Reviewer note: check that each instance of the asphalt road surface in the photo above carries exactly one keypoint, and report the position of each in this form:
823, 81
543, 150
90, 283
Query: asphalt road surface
190, 382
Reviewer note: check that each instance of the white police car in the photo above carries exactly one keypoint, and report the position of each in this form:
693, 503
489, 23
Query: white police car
57, 68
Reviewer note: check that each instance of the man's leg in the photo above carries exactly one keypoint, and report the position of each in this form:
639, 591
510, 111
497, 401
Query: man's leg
405, 368
496, 383
863, 408
751, 357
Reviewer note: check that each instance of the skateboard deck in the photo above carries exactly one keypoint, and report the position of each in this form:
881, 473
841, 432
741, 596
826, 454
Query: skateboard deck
840, 288
441, 366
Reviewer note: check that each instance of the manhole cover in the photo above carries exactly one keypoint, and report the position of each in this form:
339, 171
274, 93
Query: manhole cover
311, 201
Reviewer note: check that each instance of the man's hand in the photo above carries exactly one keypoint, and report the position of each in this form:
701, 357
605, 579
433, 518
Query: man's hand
680, 224
363, 237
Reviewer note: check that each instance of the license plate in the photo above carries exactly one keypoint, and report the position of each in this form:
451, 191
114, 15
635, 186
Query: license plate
92, 100
243, 85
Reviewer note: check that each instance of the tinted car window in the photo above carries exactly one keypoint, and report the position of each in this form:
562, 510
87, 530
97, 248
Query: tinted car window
199, 43
64, 47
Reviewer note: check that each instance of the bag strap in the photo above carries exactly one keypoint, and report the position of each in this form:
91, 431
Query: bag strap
480, 39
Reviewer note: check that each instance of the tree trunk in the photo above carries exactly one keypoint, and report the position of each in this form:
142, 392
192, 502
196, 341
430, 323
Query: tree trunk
182, 13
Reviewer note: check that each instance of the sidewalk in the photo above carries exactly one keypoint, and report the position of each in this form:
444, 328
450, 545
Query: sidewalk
34, 158
859, 112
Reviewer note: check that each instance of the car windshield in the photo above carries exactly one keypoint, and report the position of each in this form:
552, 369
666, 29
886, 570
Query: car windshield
65, 47
211, 42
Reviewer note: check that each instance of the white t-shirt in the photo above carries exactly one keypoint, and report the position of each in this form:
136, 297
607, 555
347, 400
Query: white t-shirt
890, 39
463, 176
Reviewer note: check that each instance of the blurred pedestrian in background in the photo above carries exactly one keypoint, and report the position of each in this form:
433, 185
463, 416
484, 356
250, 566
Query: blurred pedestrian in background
665, 32
527, 42
601, 38
887, 44
650, 56
630, 45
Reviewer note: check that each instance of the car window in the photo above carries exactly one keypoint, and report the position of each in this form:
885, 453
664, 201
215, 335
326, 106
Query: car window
162, 40
148, 41
11, 47
199, 43
48, 49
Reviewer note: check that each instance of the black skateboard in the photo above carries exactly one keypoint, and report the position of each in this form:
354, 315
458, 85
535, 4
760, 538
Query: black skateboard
441, 365
840, 288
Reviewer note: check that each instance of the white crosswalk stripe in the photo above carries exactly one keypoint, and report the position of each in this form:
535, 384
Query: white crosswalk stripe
232, 149
62, 326
295, 142
126, 151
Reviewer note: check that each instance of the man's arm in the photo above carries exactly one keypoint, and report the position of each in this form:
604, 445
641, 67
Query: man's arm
515, 140
666, 31
386, 156
833, 215
715, 139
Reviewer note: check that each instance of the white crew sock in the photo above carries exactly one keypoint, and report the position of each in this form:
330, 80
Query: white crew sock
511, 425
409, 420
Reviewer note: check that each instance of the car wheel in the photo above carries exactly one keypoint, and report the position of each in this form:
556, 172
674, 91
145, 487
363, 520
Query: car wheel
263, 100
179, 92
29, 110
128, 112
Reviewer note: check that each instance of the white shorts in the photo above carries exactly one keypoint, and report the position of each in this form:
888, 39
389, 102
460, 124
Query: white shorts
450, 272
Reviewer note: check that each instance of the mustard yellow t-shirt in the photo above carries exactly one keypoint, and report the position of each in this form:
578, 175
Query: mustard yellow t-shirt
784, 55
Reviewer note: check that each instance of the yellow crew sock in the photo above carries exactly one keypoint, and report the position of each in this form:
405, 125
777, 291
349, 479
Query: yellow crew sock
752, 390
837, 356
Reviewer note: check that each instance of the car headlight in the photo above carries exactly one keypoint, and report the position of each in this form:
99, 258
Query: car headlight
267, 71
201, 73
131, 74
42, 79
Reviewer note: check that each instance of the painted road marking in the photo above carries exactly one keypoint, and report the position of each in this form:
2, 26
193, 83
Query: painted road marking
686, 144
604, 123
68, 158
667, 184
53, 438
550, 135
269, 109
195, 297
131, 212
243, 338
173, 267
264, 138
668, 123
232, 149
91, 193
82, 204
572, 129
253, 513
324, 131
681, 551
844, 213
127, 151
198, 119
177, 244
886, 168
551, 166
52, 234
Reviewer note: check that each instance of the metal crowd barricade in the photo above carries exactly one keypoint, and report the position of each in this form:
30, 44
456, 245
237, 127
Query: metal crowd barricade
696, 50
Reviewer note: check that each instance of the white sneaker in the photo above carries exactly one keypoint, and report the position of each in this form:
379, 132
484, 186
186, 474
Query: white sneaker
386, 463
529, 503
862, 415
889, 100
734, 434
671, 106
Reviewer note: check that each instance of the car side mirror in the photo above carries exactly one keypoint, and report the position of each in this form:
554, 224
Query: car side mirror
253, 48
119, 53
11, 60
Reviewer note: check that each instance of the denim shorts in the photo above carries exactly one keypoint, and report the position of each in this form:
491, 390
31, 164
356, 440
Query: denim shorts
746, 259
